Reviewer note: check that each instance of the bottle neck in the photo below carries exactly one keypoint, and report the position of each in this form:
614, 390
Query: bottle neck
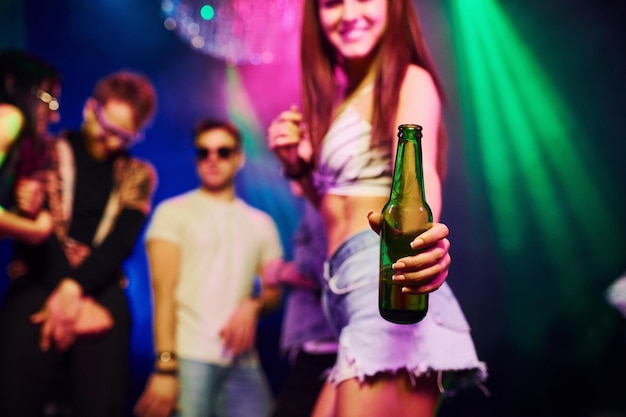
408, 179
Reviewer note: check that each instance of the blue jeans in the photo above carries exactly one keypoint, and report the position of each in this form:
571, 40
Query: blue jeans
238, 390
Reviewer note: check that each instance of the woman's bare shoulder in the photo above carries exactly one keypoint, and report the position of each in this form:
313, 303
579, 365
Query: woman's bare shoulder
418, 78
419, 97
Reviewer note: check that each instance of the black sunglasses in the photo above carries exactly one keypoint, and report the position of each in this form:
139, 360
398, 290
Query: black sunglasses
223, 152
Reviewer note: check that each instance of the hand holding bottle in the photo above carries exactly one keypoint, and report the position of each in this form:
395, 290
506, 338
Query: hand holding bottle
404, 219
427, 270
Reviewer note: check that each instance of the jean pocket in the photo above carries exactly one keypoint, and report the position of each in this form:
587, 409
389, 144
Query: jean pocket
353, 274
446, 311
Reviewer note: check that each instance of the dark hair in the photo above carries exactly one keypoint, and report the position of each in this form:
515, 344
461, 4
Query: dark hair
129, 87
205, 125
402, 44
21, 75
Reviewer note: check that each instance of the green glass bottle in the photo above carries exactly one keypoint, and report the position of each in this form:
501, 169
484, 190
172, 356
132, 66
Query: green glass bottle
405, 216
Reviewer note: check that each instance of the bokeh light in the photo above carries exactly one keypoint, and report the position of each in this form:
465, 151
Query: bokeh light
207, 12
238, 31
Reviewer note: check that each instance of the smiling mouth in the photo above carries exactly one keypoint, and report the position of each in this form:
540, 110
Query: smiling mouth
353, 35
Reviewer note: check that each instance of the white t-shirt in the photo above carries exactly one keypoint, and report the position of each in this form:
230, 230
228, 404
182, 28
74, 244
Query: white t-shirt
223, 245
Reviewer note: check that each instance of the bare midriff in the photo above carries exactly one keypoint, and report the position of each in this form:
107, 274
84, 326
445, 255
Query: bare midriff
344, 216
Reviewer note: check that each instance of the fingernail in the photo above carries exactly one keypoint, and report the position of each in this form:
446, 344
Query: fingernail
417, 243
398, 278
398, 265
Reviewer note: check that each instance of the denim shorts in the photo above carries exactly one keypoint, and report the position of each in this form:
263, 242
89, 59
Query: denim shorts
368, 344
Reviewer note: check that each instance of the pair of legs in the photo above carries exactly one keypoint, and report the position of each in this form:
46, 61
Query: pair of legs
238, 390
380, 396
94, 371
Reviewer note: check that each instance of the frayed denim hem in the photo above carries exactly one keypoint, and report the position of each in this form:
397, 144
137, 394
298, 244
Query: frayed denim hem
449, 380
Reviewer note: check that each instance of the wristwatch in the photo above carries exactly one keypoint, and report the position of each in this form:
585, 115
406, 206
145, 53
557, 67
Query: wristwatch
166, 356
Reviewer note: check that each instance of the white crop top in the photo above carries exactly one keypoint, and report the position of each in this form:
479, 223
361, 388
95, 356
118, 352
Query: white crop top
347, 165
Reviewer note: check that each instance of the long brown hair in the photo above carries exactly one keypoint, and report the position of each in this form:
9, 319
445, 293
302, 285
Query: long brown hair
21, 75
401, 45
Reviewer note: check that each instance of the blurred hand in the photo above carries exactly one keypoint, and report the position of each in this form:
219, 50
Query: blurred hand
58, 315
29, 196
427, 270
240, 330
93, 319
16, 269
286, 137
159, 397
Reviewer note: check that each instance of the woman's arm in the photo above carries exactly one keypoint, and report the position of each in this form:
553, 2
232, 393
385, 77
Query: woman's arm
420, 104
278, 272
427, 270
11, 122
13, 226
286, 138
20, 228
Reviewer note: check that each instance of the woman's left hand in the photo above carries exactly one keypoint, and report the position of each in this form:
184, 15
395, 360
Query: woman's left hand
427, 270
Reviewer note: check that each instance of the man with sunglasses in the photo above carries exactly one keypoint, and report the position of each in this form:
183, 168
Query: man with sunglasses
205, 248
70, 308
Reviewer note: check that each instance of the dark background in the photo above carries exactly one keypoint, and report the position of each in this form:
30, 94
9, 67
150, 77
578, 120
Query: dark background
553, 346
